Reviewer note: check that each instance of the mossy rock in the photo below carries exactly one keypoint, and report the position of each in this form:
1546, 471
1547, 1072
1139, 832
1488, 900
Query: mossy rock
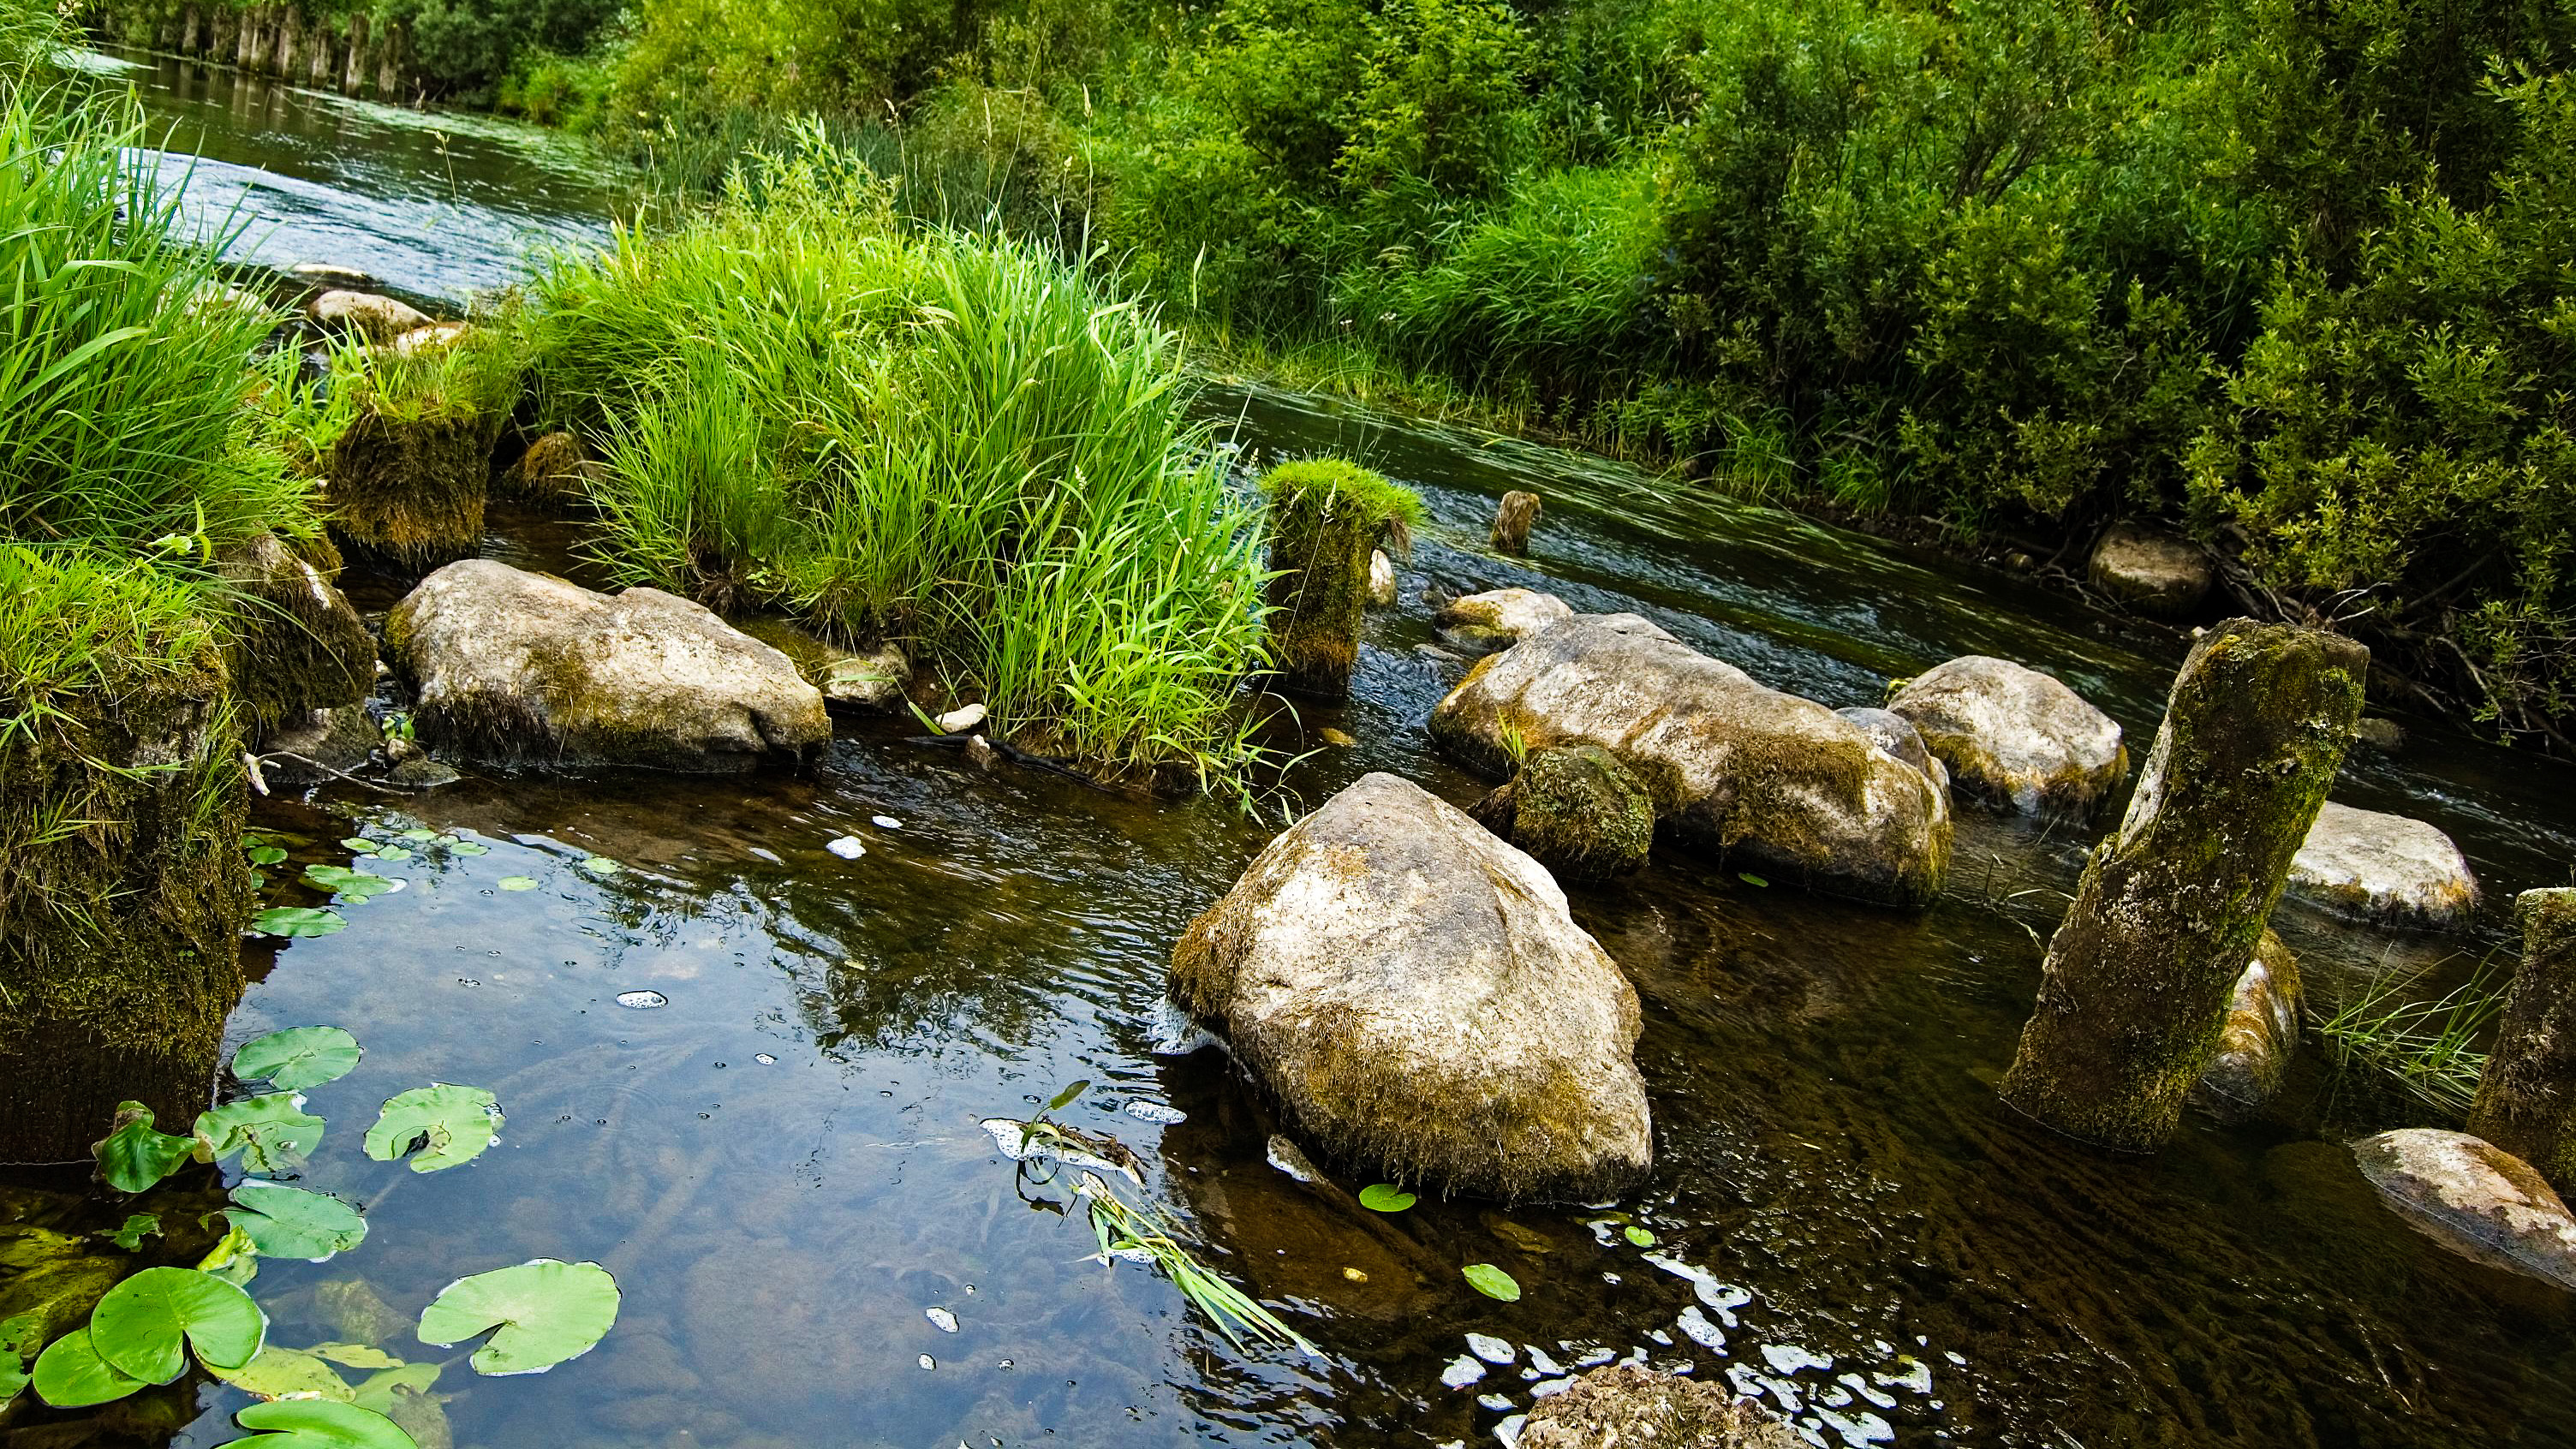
554, 472
294, 644
1577, 811
409, 491
1624, 1406
1325, 514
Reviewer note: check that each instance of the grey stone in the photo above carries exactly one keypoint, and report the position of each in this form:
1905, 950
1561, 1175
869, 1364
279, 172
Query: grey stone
2473, 1198
2151, 570
2015, 738
2375, 866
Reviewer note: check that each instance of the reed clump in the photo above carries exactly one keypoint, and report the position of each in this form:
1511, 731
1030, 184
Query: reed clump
909, 435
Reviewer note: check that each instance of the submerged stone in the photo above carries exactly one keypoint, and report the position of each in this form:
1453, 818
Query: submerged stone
2473, 1198
1577, 811
1499, 618
1731, 766
308, 750
2260, 1035
2375, 866
2015, 738
1414, 993
516, 666
1627, 1406
2151, 570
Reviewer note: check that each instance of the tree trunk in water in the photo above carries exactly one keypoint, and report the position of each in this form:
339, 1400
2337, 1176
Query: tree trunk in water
290, 39
191, 31
354, 79
225, 33
247, 48
389, 63
1513, 520
2134, 992
2527, 1094
318, 69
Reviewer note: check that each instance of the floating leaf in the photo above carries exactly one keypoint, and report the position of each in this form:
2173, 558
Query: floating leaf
601, 865
1066, 1096
297, 922
416, 833
275, 1373
318, 1424
272, 1132
518, 882
1639, 1236
359, 843
360, 1355
138, 1327
298, 1057
259, 880
267, 855
13, 1377
546, 1311
1493, 1282
355, 886
1749, 878
377, 1391
135, 1157
289, 1222
136, 1228
458, 1123
392, 852
21, 1335
1386, 1197
71, 1375
468, 847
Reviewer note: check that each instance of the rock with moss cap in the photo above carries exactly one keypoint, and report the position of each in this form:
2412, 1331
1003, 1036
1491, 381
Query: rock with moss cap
1731, 766
2375, 866
2473, 1198
556, 471
371, 315
1499, 618
1324, 515
1624, 1406
860, 680
294, 643
516, 666
1413, 993
2015, 738
1577, 811
2260, 1035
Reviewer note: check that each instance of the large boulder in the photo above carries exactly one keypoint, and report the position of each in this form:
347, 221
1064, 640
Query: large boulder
2015, 738
519, 666
1624, 1406
2152, 571
2382, 867
2260, 1035
1577, 811
1500, 617
1413, 992
2473, 1198
1778, 780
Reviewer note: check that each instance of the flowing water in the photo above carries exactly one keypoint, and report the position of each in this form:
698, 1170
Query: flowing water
778, 1152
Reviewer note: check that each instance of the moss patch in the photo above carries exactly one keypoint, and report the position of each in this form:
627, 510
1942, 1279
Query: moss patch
292, 642
1578, 811
1326, 514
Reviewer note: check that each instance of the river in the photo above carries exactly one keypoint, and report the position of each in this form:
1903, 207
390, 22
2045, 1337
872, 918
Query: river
783, 1163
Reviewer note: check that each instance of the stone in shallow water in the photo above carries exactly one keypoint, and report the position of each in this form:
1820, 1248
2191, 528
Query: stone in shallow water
642, 1000
1633, 1407
1461, 1372
2015, 738
848, 847
1496, 1351
2151, 570
2260, 1034
2384, 867
2473, 1198
1500, 617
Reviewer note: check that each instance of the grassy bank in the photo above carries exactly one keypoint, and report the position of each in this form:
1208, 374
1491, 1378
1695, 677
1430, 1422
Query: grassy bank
905, 434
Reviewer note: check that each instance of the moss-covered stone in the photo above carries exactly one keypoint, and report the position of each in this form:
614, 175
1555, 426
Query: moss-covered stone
1577, 811
1624, 1406
294, 644
2135, 988
1325, 514
554, 472
2527, 1096
122, 886
1514, 517
409, 490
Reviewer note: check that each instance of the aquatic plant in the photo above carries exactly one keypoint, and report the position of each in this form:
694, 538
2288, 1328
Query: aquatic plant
956, 444
2427, 1047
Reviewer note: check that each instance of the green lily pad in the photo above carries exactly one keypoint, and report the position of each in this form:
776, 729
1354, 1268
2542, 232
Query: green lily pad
1639, 1236
359, 843
518, 882
318, 1424
393, 852
469, 847
376, 1391
358, 1355
289, 1222
417, 834
135, 1229
272, 1132
1493, 1282
297, 922
600, 865
136, 1157
267, 855
546, 1312
21, 1335
1749, 878
298, 1057
1386, 1197
458, 1123
355, 886
234, 1258
13, 1377
275, 1373
71, 1375
138, 1328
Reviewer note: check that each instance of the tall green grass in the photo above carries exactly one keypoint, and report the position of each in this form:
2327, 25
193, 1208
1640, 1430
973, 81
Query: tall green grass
952, 442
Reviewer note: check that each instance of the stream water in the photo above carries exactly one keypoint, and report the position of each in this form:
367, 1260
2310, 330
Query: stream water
783, 1162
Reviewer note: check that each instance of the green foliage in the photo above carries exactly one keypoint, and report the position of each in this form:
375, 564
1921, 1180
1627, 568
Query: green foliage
298, 1057
539, 1314
272, 1133
289, 1222
437, 1127
297, 922
950, 442
1385, 1197
135, 1157
146, 1324
319, 1424
130, 1234
2427, 1048
1493, 1282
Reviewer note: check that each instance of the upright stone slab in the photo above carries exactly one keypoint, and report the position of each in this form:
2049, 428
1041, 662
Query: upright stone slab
2527, 1096
1324, 516
2135, 989
1514, 517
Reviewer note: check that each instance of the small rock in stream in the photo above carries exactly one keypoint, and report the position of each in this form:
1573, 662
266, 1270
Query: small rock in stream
848, 847
1496, 1351
961, 719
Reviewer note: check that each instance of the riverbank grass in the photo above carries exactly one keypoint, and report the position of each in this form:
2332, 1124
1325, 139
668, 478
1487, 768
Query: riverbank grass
907, 435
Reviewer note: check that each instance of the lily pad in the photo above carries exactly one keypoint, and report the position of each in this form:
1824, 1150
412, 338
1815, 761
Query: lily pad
234, 1258
376, 1391
136, 1228
138, 1328
1386, 1197
1493, 1282
518, 882
21, 1335
1749, 878
135, 1156
468, 847
1639, 1236
360, 844
267, 855
601, 865
298, 1057
355, 886
393, 852
13, 1377
276, 1373
318, 1424
457, 1123
358, 1355
272, 1132
289, 1222
297, 922
417, 834
545, 1311
71, 1375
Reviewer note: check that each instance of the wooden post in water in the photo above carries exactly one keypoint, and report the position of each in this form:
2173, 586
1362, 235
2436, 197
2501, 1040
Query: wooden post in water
354, 79
2134, 992
191, 30
1325, 515
2527, 1094
1512, 523
389, 62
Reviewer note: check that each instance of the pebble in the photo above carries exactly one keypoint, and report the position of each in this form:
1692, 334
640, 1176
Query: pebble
848, 847
958, 720
1499, 1403
941, 1319
1156, 1113
1461, 1372
1496, 1351
642, 1000
887, 822
928, 1362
